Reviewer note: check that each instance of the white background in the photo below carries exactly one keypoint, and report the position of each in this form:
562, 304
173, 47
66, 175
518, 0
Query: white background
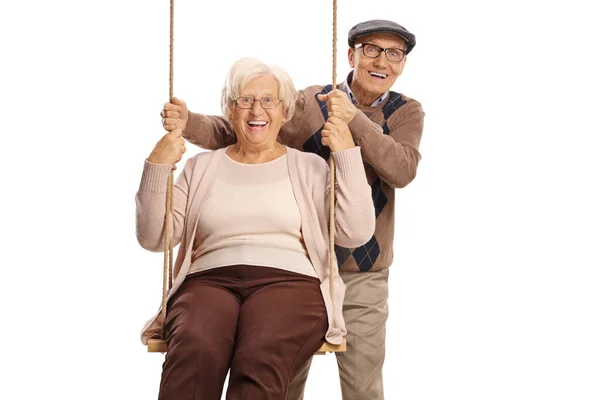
495, 286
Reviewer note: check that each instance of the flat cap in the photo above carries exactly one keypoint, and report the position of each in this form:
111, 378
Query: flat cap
381, 26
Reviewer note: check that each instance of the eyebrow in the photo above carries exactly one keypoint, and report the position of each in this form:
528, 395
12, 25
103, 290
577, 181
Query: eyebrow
378, 45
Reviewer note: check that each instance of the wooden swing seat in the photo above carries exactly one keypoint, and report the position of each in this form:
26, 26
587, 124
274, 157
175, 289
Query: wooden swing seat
160, 346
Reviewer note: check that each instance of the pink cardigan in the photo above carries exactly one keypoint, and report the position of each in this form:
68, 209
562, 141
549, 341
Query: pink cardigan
309, 175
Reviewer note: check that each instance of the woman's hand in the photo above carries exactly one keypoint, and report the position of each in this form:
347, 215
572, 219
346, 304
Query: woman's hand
169, 149
336, 135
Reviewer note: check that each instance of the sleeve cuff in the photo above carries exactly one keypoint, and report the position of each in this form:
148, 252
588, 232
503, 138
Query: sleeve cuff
359, 125
349, 163
155, 177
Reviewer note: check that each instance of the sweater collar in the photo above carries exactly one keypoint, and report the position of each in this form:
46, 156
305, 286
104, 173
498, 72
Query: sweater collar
346, 88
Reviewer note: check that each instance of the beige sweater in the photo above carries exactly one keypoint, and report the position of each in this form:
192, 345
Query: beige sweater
251, 217
309, 174
388, 134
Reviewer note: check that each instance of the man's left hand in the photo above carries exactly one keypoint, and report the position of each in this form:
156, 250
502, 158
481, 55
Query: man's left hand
339, 105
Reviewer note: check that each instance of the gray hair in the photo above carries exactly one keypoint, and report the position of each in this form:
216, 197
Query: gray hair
246, 69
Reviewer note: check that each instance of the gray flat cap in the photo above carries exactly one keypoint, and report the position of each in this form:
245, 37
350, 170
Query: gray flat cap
381, 26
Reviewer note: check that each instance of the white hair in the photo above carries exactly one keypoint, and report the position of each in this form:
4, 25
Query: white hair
246, 69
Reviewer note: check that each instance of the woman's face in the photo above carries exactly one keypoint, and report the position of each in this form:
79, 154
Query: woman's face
257, 127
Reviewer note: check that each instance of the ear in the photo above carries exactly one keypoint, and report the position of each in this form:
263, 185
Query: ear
351, 60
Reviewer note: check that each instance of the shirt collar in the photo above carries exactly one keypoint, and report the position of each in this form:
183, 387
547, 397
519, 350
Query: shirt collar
346, 88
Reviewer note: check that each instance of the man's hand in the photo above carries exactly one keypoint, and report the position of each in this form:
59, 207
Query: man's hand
339, 105
174, 115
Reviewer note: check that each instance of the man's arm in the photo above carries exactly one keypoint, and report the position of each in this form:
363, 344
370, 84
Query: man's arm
394, 157
207, 131
210, 132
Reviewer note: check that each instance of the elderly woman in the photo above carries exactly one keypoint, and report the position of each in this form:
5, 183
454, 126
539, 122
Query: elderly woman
251, 290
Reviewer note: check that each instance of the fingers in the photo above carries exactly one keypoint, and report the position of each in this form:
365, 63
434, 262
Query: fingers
170, 124
169, 127
172, 107
332, 126
169, 149
181, 149
170, 114
174, 110
169, 121
337, 102
326, 140
335, 93
341, 107
174, 115
334, 122
328, 134
178, 149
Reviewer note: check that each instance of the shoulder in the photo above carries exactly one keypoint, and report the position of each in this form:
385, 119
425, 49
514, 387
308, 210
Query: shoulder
202, 159
307, 159
400, 107
313, 89
409, 104
413, 104
203, 156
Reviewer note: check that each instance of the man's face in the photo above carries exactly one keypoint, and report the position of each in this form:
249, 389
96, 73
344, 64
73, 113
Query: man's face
374, 76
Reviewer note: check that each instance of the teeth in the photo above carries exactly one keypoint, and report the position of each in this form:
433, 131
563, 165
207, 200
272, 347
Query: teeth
378, 74
257, 123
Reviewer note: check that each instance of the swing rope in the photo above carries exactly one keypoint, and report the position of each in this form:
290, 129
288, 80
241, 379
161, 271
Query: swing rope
160, 345
168, 247
332, 169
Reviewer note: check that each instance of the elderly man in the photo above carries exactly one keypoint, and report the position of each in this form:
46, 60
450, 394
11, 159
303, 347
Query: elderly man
387, 126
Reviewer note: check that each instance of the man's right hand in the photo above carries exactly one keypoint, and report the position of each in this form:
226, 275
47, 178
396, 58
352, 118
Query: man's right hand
174, 115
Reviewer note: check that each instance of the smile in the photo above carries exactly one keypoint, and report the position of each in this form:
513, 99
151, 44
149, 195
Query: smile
256, 125
378, 75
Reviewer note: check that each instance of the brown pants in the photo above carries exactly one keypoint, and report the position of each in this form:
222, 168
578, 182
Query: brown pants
262, 323
360, 366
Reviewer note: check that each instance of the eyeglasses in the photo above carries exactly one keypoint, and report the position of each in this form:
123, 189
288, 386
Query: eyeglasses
370, 50
247, 102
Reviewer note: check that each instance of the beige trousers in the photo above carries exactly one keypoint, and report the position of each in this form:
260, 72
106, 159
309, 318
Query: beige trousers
360, 366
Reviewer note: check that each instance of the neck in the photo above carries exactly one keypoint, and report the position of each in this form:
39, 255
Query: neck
249, 155
364, 98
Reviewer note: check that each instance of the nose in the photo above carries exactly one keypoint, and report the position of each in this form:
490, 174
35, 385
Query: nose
381, 60
256, 108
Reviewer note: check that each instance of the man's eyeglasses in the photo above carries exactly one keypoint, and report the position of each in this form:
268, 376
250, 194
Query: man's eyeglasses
246, 102
370, 50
